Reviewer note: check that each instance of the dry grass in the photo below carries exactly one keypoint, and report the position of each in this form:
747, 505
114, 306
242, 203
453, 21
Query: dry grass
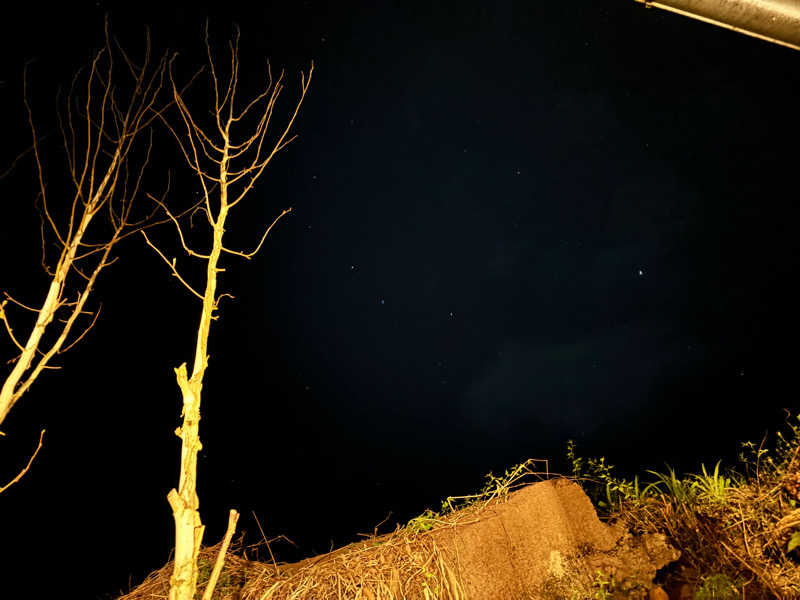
738, 533
403, 564
406, 564
235, 573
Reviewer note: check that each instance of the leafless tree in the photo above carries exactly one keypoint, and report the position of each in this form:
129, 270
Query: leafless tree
106, 137
227, 153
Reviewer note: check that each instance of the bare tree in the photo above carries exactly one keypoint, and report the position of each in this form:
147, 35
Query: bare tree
104, 121
226, 166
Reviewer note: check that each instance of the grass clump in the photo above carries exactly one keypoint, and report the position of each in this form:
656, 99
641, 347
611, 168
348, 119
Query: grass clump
604, 585
495, 488
718, 587
738, 532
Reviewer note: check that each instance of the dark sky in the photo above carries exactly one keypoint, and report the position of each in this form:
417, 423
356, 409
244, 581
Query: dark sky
514, 223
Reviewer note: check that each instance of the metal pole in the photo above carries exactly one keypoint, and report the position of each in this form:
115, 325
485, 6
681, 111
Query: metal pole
776, 21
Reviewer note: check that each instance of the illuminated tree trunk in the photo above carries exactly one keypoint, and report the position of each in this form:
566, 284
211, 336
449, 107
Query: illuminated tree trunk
184, 502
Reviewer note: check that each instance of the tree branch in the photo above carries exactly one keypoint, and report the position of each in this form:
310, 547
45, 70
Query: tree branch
233, 518
249, 255
171, 265
21, 474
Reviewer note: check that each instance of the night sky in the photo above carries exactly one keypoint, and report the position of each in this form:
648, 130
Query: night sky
514, 224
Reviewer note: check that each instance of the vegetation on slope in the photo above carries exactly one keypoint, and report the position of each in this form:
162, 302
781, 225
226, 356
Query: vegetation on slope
738, 530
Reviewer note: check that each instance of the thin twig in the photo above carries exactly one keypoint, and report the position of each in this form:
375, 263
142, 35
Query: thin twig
171, 265
18, 303
85, 331
249, 255
188, 250
10, 331
28, 466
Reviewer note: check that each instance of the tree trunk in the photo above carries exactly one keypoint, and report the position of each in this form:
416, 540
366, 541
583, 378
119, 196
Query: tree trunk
184, 502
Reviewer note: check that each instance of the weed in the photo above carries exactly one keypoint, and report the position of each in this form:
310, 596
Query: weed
494, 488
604, 584
606, 491
679, 489
424, 522
717, 587
230, 582
712, 487
744, 527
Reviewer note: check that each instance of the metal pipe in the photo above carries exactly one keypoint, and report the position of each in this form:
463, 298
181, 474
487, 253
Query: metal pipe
776, 21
